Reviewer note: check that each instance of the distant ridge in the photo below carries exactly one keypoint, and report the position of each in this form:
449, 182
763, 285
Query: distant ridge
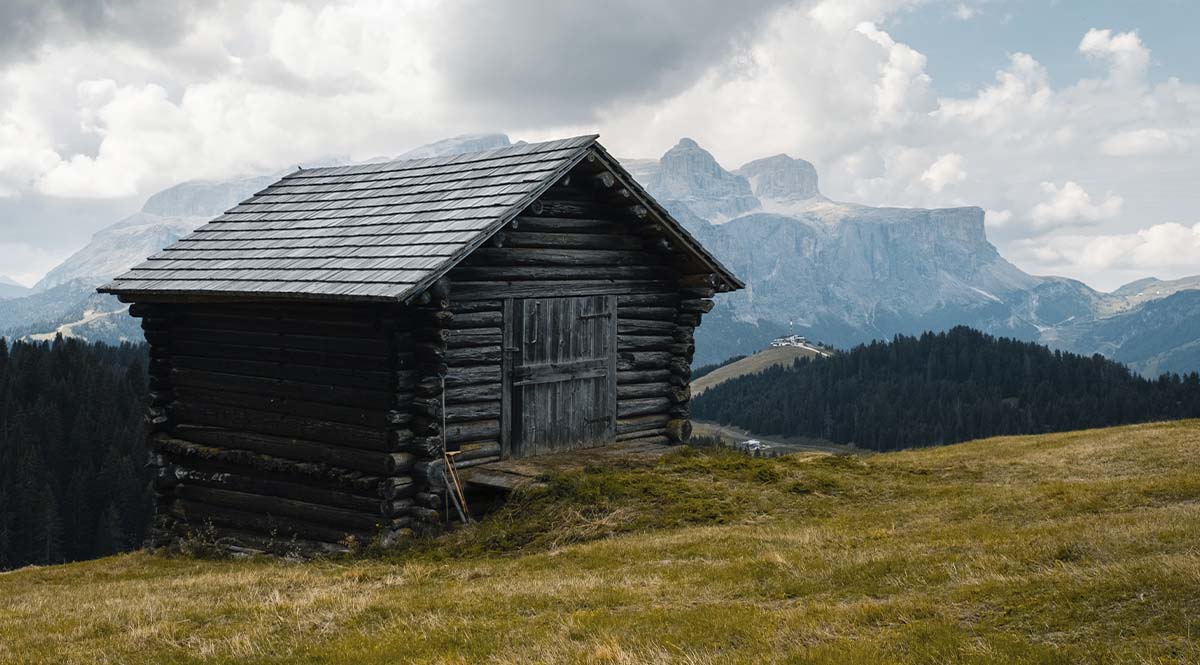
64, 300
840, 272
774, 356
847, 273
11, 288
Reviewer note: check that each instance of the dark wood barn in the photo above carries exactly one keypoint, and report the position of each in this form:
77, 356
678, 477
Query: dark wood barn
316, 350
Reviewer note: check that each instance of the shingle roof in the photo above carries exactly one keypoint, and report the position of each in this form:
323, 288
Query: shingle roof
365, 232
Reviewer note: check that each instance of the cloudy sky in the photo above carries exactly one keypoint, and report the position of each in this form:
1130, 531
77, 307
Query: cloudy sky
1075, 124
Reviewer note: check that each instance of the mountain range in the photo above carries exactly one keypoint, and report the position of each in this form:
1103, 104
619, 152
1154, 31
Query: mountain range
845, 273
11, 288
841, 273
65, 299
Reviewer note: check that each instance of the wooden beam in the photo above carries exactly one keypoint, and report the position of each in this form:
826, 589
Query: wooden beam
559, 240
263, 422
286, 448
604, 180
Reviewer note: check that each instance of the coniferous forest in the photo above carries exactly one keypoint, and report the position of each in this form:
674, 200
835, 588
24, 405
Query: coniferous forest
942, 388
72, 455
73, 483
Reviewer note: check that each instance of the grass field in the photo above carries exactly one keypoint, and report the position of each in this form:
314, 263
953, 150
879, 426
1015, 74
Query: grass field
1065, 548
768, 357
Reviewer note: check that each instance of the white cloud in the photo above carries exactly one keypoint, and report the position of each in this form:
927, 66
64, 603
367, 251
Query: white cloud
903, 88
948, 169
997, 219
26, 263
1020, 98
963, 12
25, 153
840, 16
1141, 142
261, 85
1071, 205
142, 134
1127, 58
1151, 249
1167, 251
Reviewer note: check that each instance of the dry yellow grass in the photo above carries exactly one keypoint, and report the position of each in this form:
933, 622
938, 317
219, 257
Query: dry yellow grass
768, 357
1066, 548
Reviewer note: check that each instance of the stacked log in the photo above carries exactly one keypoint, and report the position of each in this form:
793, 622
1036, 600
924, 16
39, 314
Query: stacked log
311, 425
161, 398
473, 397
430, 324
696, 291
283, 423
645, 339
586, 236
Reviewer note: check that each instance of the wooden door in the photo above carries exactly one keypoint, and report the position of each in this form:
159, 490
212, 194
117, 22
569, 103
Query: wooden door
563, 373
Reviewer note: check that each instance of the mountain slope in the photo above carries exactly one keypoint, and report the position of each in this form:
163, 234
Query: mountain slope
943, 388
1161, 335
1014, 550
689, 174
165, 217
94, 316
845, 273
456, 145
64, 300
773, 356
840, 273
10, 288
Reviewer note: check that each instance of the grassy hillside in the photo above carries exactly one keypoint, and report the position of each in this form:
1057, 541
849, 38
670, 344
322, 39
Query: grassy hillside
1066, 548
769, 357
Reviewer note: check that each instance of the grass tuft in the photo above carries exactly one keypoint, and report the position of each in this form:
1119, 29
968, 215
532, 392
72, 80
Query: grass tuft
1065, 548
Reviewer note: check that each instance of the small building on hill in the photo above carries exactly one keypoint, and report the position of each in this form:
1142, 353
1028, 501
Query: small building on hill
319, 349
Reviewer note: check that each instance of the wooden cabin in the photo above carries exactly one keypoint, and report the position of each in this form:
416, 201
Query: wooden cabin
317, 350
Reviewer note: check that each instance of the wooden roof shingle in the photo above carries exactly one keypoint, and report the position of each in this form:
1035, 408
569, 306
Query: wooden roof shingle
363, 232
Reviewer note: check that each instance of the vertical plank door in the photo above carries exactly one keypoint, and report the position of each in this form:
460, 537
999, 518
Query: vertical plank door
563, 373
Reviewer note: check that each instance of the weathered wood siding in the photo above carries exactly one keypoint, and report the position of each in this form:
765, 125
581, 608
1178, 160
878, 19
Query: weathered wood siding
317, 422
283, 422
577, 239
563, 373
321, 350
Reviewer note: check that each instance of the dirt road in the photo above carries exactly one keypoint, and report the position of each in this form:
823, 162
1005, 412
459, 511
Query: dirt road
791, 444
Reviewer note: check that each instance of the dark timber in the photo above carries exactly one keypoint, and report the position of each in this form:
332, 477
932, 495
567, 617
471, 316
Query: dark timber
317, 348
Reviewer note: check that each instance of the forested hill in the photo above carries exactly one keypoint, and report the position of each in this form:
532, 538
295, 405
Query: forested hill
944, 388
72, 455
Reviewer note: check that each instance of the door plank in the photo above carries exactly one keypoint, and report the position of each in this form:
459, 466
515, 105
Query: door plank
562, 378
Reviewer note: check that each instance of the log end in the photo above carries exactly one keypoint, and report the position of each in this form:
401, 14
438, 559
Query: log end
679, 430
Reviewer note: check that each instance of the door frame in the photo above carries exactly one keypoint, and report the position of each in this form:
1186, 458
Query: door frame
510, 350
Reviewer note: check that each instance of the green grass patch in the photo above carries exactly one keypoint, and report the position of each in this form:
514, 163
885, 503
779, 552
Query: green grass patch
1066, 548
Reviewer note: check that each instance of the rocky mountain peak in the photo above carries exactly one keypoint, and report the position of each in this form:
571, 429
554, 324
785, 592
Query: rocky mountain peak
458, 145
781, 177
197, 198
11, 288
691, 175
1137, 286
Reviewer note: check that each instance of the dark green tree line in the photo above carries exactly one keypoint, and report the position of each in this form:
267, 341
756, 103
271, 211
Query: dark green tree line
942, 388
72, 451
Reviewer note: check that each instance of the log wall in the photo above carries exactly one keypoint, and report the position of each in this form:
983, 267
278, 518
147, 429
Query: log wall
284, 424
582, 237
313, 424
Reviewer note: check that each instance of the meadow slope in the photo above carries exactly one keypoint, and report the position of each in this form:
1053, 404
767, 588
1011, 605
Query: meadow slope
771, 356
1066, 548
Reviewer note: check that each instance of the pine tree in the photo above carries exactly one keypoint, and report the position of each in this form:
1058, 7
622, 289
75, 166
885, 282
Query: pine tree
942, 388
47, 531
110, 537
71, 441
